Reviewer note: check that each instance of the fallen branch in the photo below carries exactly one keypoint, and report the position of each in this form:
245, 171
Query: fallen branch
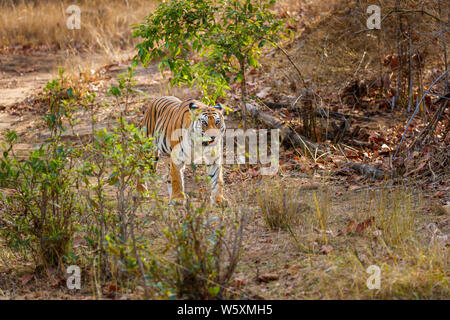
288, 135
369, 171
321, 112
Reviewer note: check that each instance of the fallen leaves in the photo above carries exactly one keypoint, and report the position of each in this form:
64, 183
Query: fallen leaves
353, 227
267, 277
58, 282
238, 282
112, 290
27, 277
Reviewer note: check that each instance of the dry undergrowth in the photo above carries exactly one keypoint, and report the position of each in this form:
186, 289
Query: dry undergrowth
299, 243
331, 48
339, 237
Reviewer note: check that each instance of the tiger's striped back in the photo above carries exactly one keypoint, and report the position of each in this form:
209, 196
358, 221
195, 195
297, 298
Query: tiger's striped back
162, 117
167, 114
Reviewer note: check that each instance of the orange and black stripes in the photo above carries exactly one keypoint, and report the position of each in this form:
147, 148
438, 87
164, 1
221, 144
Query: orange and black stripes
166, 115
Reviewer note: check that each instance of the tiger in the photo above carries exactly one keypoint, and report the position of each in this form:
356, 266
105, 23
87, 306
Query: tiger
164, 119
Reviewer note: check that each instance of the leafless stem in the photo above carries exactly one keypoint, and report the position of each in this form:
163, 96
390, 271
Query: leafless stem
416, 110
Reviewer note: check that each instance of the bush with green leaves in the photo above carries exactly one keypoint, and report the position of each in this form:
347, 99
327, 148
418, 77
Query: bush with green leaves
61, 187
39, 211
115, 163
40, 206
196, 252
208, 42
61, 98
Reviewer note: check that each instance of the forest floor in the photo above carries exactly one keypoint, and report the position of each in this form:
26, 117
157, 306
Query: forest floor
352, 207
308, 261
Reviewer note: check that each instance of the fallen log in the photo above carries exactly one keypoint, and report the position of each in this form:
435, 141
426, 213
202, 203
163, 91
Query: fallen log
369, 171
320, 112
288, 136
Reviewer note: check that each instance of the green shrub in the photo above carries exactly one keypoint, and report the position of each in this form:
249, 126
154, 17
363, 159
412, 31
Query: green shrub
205, 255
39, 212
224, 36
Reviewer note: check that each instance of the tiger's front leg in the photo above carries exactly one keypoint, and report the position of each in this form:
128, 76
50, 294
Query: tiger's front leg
215, 173
175, 183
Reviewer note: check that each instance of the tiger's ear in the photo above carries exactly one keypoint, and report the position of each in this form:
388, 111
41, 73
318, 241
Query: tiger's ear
218, 107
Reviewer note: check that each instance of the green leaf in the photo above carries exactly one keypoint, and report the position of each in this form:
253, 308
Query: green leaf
114, 91
252, 61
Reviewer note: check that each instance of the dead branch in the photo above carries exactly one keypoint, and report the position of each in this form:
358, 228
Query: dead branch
415, 112
288, 135
320, 112
369, 171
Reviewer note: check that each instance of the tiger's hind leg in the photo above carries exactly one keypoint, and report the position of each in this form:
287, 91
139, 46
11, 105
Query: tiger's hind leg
175, 183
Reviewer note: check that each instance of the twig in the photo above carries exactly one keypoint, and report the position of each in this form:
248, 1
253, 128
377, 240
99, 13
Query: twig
410, 75
444, 47
415, 112
291, 61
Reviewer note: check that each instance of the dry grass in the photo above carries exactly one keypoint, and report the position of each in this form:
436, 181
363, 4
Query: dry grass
326, 253
281, 206
105, 25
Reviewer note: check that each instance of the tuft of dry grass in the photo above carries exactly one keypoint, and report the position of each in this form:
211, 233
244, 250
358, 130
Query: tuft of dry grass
281, 206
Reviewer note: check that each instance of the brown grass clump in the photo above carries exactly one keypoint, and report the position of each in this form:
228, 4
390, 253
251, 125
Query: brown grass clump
281, 206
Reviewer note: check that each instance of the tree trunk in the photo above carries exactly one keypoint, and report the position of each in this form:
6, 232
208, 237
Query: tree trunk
399, 54
444, 47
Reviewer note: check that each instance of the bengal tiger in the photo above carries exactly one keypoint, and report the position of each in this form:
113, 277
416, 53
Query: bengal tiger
176, 126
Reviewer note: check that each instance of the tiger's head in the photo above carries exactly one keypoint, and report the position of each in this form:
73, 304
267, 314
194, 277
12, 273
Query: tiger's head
208, 122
